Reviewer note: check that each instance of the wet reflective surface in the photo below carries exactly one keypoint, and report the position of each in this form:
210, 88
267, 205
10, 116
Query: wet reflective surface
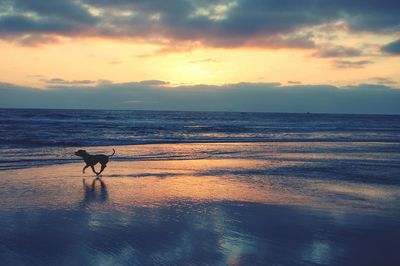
305, 206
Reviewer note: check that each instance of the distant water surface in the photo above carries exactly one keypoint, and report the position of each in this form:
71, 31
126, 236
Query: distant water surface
33, 128
41, 137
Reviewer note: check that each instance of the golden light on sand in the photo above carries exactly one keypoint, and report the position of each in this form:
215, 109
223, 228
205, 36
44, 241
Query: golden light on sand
164, 183
146, 184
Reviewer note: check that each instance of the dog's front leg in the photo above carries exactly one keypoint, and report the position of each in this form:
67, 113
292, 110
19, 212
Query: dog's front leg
84, 168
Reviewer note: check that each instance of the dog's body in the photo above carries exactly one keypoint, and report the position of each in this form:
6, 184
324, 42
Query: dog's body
92, 160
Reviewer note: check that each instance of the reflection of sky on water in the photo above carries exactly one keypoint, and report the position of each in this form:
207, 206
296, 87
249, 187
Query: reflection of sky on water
318, 252
219, 232
214, 212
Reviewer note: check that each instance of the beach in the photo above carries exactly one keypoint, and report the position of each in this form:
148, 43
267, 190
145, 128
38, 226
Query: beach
199, 188
280, 206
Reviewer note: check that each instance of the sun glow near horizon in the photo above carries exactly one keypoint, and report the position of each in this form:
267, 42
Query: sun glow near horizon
121, 61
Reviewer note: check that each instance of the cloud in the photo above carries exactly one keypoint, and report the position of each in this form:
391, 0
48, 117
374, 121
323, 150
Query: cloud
34, 39
62, 83
215, 23
152, 82
59, 81
352, 64
384, 81
293, 82
392, 48
68, 10
337, 51
247, 97
205, 60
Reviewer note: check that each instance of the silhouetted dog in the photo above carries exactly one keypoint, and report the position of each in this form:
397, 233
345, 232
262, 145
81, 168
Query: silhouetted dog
92, 160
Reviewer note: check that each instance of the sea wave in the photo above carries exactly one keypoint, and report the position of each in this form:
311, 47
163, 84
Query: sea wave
75, 128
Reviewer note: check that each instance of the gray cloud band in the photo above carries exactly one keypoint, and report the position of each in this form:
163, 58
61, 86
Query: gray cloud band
159, 95
216, 23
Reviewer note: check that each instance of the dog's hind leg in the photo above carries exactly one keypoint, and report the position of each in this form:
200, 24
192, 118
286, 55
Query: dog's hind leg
94, 170
103, 166
84, 168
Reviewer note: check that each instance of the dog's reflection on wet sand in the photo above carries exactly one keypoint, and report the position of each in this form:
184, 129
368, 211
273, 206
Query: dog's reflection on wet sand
91, 194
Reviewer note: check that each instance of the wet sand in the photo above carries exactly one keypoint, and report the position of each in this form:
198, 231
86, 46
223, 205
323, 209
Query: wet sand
233, 211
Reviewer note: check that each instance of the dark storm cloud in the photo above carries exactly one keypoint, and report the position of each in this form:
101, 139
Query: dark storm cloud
392, 48
68, 10
247, 97
44, 17
352, 64
219, 23
21, 24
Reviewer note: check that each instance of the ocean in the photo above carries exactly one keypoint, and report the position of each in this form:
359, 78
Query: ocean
36, 137
199, 188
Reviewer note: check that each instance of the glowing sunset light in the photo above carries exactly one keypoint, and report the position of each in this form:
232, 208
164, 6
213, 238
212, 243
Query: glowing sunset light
94, 43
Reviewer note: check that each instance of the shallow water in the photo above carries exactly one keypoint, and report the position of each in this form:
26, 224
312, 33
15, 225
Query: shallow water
242, 204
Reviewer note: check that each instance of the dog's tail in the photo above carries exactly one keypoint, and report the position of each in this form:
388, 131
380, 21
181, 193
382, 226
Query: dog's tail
112, 153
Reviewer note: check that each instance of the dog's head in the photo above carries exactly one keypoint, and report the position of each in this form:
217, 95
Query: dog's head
81, 153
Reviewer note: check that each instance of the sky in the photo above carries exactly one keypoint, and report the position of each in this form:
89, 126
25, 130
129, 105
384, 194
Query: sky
227, 55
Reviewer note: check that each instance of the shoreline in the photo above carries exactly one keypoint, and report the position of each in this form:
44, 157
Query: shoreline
226, 209
206, 180
11, 159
